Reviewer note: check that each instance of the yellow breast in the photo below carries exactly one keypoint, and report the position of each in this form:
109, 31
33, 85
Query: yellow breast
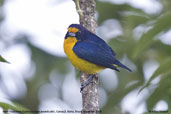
79, 63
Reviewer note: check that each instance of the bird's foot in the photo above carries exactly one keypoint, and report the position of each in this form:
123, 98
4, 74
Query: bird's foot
87, 82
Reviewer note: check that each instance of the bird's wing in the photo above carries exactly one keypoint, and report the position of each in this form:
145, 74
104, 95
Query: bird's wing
94, 38
94, 53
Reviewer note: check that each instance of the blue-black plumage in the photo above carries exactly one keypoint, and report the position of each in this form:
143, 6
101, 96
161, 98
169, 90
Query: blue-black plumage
93, 49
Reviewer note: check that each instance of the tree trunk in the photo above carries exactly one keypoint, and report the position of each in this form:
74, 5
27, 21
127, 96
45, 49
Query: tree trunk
86, 11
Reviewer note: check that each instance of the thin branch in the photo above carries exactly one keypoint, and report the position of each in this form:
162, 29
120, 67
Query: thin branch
86, 11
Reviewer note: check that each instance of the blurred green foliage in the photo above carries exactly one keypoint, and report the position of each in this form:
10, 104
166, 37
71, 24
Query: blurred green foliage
147, 47
1, 18
137, 50
16, 107
3, 60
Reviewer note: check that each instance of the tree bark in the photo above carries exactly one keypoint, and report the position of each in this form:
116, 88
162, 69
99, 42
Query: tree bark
90, 102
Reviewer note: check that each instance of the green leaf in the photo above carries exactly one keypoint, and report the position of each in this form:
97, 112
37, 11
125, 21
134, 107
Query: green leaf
162, 24
3, 60
135, 20
162, 92
16, 107
109, 10
164, 68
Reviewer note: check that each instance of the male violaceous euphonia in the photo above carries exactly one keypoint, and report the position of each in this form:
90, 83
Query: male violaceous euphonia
87, 52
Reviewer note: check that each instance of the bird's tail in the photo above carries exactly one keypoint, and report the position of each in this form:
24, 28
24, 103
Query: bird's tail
117, 63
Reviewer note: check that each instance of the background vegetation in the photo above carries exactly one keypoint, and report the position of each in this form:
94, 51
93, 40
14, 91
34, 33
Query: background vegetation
137, 48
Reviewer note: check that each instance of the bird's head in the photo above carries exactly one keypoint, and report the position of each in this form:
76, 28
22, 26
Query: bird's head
76, 31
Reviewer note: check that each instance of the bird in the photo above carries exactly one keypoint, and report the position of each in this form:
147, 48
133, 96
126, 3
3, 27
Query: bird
89, 53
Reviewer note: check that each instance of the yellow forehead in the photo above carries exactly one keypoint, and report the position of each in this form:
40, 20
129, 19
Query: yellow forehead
72, 29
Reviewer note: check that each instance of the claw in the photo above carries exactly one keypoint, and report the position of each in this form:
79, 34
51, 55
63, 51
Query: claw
87, 82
